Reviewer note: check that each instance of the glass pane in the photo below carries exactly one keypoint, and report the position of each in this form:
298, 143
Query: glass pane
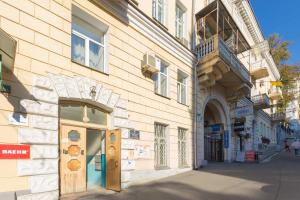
87, 29
163, 85
183, 94
78, 49
96, 56
96, 116
72, 111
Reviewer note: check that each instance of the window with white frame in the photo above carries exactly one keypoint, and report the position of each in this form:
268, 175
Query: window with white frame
182, 147
160, 146
182, 87
179, 21
161, 78
158, 10
88, 44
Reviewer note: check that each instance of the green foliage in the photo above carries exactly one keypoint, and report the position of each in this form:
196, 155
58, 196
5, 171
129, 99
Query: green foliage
279, 49
288, 73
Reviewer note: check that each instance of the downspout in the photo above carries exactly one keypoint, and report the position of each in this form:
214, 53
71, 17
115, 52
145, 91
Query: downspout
195, 84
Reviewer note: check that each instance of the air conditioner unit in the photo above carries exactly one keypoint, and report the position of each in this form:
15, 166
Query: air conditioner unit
150, 63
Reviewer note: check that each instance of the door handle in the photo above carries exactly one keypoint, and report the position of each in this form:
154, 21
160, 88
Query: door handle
82, 152
65, 151
116, 164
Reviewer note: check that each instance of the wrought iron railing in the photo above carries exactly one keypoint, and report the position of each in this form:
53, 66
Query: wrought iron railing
261, 99
216, 44
280, 116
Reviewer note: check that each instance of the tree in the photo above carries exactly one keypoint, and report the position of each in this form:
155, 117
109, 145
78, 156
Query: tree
288, 73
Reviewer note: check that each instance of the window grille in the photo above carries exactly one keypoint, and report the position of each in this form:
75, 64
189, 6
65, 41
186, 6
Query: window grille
160, 146
182, 147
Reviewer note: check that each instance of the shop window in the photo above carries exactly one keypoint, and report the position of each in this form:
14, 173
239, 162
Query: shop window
159, 10
161, 79
182, 87
76, 111
182, 147
88, 44
160, 146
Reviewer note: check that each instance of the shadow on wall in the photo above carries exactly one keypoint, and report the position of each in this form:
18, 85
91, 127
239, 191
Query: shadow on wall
18, 92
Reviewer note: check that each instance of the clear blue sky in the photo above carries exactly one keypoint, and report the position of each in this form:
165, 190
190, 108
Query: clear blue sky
282, 17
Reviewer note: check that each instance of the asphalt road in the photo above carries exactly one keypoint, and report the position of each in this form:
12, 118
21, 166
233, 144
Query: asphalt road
278, 179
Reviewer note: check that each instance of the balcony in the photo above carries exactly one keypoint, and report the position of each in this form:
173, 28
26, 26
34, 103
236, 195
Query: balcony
216, 63
261, 101
275, 94
278, 117
220, 42
259, 70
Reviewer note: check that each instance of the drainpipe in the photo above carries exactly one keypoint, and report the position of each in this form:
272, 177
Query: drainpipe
195, 84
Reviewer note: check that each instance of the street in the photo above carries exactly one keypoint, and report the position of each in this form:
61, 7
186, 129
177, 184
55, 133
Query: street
278, 179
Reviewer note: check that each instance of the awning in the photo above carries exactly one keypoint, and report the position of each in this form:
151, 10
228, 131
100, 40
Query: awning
8, 47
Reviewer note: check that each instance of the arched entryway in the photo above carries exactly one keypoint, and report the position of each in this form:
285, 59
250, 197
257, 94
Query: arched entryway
215, 125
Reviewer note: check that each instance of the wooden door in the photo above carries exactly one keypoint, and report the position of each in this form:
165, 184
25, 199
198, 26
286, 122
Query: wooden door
113, 159
72, 159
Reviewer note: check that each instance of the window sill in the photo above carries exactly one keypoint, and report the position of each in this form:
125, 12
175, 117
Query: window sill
93, 69
159, 24
162, 96
162, 168
183, 104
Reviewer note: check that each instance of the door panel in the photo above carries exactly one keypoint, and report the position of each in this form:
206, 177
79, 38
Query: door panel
72, 159
113, 160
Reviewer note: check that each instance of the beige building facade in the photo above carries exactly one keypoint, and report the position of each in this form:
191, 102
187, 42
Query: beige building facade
115, 93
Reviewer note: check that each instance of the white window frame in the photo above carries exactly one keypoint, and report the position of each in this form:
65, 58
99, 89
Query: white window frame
177, 21
87, 41
179, 86
158, 79
157, 166
180, 144
99, 25
155, 7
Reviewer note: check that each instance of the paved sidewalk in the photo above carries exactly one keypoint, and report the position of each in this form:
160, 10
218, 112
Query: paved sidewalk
275, 180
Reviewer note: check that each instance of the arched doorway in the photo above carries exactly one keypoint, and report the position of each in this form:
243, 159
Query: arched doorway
214, 127
86, 148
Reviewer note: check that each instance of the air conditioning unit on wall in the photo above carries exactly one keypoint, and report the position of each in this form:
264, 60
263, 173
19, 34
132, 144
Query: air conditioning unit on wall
150, 63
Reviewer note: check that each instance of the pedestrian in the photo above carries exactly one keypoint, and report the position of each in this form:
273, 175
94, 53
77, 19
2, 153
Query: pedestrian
287, 146
296, 145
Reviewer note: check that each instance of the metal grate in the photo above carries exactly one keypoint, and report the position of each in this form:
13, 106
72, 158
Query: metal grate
182, 151
160, 146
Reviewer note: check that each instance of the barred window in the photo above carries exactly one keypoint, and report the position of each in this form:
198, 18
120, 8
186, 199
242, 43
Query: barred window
160, 146
182, 147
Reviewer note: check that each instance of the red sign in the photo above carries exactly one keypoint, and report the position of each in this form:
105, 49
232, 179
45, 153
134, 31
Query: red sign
250, 156
12, 151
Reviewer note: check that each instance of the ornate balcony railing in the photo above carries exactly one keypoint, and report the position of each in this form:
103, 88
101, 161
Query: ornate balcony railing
261, 101
216, 45
280, 116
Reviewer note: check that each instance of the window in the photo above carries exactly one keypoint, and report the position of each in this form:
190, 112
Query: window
179, 21
182, 147
160, 146
88, 44
182, 87
161, 78
158, 10
82, 113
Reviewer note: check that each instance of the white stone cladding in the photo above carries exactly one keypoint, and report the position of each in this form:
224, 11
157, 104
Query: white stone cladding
42, 133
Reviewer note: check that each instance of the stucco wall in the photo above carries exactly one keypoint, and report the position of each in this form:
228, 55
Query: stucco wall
43, 32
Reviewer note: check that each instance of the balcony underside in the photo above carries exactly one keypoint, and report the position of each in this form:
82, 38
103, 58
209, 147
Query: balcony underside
275, 96
212, 70
261, 106
259, 73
